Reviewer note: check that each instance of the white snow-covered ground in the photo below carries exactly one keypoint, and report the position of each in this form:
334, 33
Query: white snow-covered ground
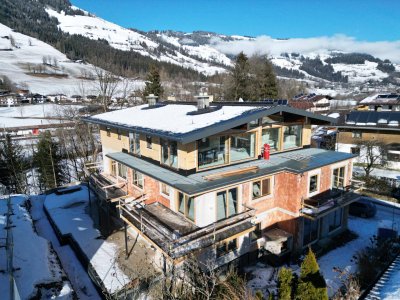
28, 54
343, 257
263, 276
31, 115
69, 213
78, 276
33, 260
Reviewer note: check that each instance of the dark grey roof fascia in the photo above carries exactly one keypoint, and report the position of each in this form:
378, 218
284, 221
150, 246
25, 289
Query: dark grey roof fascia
197, 134
387, 128
196, 184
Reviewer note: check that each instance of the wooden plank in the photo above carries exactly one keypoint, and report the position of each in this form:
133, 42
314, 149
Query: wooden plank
231, 173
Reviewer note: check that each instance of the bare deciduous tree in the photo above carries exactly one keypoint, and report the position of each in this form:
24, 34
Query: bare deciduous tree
106, 85
372, 154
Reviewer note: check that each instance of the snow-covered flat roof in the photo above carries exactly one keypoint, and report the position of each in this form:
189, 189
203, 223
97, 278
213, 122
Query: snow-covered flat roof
182, 122
172, 118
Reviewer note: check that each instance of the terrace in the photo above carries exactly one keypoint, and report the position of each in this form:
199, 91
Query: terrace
328, 201
173, 234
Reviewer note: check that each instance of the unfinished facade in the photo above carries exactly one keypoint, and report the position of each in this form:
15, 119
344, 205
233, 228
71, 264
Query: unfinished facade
222, 181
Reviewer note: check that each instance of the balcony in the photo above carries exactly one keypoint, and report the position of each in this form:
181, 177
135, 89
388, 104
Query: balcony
328, 201
173, 233
106, 186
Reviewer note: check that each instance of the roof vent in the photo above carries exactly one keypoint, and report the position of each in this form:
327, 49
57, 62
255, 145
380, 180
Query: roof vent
152, 99
203, 101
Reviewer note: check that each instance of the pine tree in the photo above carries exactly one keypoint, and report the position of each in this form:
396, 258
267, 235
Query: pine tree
311, 285
48, 162
239, 86
153, 83
267, 81
285, 281
13, 165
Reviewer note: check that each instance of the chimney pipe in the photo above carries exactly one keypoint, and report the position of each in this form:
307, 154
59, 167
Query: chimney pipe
203, 101
152, 99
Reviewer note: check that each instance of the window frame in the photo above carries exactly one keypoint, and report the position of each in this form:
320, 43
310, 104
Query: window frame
336, 216
136, 180
134, 143
356, 134
334, 184
167, 188
312, 174
301, 125
120, 168
227, 213
149, 142
186, 207
168, 144
317, 232
261, 180
108, 131
119, 134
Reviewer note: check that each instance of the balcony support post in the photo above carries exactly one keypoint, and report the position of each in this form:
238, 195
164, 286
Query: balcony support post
126, 240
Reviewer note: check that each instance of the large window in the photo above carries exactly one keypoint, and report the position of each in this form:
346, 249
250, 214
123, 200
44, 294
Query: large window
122, 171
313, 184
242, 146
226, 247
310, 231
113, 168
211, 151
338, 177
227, 204
169, 153
292, 136
186, 206
261, 188
271, 137
334, 219
134, 143
138, 179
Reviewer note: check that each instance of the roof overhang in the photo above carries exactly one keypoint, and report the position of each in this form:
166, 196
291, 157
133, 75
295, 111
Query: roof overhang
374, 128
216, 128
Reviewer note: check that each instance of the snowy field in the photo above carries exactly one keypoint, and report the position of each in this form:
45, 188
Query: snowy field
69, 213
35, 263
32, 115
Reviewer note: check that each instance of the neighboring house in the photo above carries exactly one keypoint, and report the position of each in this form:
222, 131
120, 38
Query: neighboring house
381, 102
9, 99
56, 97
312, 102
383, 126
195, 179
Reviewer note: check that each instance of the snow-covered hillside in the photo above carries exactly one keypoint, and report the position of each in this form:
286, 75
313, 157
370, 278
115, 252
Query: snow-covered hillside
128, 40
23, 63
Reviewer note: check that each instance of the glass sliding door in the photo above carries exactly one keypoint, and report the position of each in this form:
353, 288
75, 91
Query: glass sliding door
242, 146
292, 136
271, 136
221, 205
211, 152
310, 231
134, 143
186, 206
227, 204
169, 153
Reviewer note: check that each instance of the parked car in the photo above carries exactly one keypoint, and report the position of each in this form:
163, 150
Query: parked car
363, 208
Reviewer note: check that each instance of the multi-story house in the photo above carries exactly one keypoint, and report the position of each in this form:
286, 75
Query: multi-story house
312, 102
366, 127
221, 180
381, 102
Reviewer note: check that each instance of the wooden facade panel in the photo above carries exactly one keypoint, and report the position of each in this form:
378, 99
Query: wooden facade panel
154, 152
112, 142
346, 137
306, 137
187, 156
